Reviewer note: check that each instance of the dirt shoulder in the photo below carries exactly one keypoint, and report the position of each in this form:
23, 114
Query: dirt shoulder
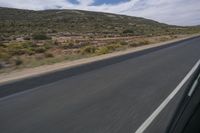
31, 72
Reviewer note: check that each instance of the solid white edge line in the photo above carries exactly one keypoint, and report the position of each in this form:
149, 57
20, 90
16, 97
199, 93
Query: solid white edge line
150, 119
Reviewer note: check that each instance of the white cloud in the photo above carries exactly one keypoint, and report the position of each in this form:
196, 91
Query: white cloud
34, 4
178, 12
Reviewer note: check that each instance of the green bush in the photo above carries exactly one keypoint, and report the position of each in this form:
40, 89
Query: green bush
71, 45
4, 56
110, 47
30, 51
88, 50
107, 49
16, 49
40, 37
128, 31
123, 43
19, 52
28, 44
27, 38
40, 49
102, 50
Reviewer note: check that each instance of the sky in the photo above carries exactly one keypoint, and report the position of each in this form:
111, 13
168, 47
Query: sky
175, 12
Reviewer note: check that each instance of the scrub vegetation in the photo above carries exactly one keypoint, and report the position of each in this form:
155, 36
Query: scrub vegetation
33, 38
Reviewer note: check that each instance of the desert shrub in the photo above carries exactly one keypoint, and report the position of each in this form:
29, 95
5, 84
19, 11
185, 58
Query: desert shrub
88, 50
144, 42
39, 56
28, 44
16, 49
128, 31
40, 49
2, 64
48, 44
102, 50
123, 43
15, 46
173, 36
134, 44
27, 38
19, 52
30, 48
30, 52
4, 55
163, 39
48, 55
20, 45
2, 45
56, 42
18, 61
40, 36
2, 38
64, 46
68, 45
140, 43
91, 37
111, 47
108, 48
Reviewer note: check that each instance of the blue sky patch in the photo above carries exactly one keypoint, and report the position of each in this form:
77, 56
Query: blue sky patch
99, 2
73, 1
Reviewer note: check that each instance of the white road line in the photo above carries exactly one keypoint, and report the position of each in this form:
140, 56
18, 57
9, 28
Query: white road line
150, 119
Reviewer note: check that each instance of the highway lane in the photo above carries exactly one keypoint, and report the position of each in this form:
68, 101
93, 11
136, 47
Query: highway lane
113, 98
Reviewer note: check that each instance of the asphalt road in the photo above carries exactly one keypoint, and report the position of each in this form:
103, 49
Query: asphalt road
111, 96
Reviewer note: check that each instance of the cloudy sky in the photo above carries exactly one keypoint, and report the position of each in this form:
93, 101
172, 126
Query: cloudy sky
177, 12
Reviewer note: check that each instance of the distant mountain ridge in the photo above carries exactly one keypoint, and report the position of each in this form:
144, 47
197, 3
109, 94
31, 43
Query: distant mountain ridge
17, 21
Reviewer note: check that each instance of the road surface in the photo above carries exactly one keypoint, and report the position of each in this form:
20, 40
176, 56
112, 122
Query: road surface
112, 96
